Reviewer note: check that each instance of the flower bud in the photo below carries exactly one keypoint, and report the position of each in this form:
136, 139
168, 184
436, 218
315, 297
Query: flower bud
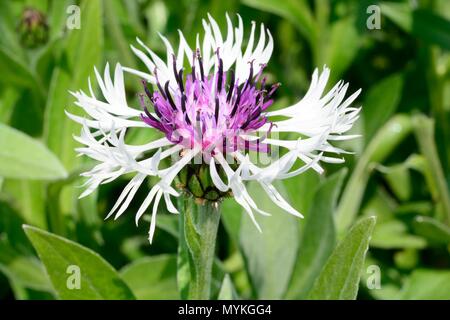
33, 28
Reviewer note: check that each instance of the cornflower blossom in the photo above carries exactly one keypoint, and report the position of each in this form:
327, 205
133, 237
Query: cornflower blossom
212, 106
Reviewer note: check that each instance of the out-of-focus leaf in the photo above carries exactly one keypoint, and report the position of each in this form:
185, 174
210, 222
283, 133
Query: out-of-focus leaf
227, 291
29, 199
152, 278
26, 271
406, 259
380, 205
15, 71
431, 28
169, 223
23, 157
432, 229
231, 218
11, 229
427, 284
83, 45
57, 17
341, 50
115, 31
318, 238
385, 141
8, 100
296, 11
380, 103
65, 261
393, 235
399, 179
339, 279
399, 12
270, 255
424, 131
300, 192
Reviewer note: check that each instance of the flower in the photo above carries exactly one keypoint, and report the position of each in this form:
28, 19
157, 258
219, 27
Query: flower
213, 114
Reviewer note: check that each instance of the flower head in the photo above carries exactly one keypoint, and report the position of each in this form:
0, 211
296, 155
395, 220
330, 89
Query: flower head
213, 112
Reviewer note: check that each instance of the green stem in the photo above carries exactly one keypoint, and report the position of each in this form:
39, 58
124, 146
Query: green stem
424, 130
200, 225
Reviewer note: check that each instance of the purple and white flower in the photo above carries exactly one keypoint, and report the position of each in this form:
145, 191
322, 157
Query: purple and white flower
211, 103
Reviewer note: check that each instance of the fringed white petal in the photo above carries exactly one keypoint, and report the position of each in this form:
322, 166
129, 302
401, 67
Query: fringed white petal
229, 49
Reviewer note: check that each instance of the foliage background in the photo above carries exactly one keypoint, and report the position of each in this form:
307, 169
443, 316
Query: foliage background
399, 172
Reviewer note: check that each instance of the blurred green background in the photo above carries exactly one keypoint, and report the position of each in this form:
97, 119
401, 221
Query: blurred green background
399, 171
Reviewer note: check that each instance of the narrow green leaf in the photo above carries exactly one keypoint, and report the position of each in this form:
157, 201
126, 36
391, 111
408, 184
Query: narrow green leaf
399, 179
24, 270
269, 256
432, 229
227, 291
385, 96
340, 51
394, 235
14, 70
431, 28
424, 131
427, 285
85, 45
296, 11
339, 279
29, 199
382, 145
66, 260
152, 278
23, 157
399, 13
318, 238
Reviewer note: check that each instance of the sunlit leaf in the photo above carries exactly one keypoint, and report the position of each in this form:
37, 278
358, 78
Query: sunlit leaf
152, 278
270, 255
318, 238
68, 263
23, 157
339, 279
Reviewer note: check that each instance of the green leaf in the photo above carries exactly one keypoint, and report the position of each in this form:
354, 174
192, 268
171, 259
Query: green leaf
427, 285
152, 278
382, 145
269, 256
227, 291
424, 131
302, 201
29, 199
340, 51
295, 11
431, 28
399, 13
24, 270
432, 229
231, 218
98, 279
399, 179
385, 96
83, 45
25, 158
393, 235
318, 238
339, 279
14, 70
